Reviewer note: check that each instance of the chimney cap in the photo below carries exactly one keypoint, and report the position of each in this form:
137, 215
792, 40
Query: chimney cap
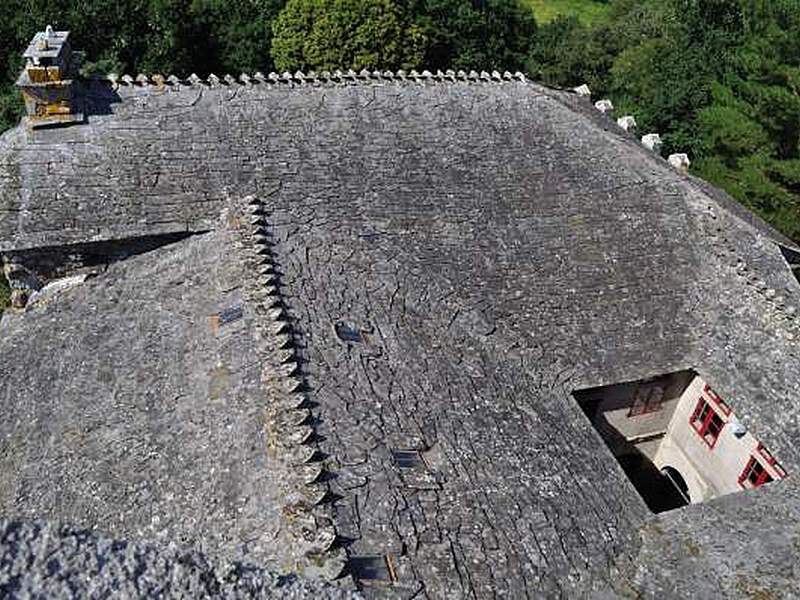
47, 44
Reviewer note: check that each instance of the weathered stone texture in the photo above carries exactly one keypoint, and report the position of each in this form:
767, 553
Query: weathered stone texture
747, 327
43, 560
739, 546
126, 409
164, 160
454, 260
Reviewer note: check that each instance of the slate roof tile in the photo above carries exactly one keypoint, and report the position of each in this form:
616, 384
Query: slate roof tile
496, 244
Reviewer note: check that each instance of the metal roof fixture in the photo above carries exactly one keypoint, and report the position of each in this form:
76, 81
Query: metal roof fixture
229, 315
373, 569
348, 332
409, 459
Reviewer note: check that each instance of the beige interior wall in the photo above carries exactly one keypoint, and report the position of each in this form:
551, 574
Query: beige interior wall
709, 472
615, 405
649, 447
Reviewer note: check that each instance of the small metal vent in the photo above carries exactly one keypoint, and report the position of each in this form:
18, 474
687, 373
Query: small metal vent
229, 315
226, 316
347, 332
408, 459
373, 569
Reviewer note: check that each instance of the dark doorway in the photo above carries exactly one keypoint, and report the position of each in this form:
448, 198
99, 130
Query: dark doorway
661, 490
678, 481
656, 488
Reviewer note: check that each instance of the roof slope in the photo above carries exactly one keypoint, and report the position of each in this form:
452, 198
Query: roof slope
152, 422
139, 401
39, 559
455, 259
738, 546
155, 159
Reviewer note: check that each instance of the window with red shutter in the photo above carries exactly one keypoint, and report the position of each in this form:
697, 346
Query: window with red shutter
754, 474
706, 422
726, 410
646, 400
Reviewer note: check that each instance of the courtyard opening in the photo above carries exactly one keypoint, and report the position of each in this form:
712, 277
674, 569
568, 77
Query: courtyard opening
676, 439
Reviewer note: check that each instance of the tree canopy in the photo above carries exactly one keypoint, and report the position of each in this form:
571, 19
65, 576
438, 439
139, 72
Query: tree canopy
486, 34
719, 79
345, 34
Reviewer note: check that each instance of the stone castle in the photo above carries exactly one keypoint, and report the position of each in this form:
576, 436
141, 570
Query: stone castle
442, 335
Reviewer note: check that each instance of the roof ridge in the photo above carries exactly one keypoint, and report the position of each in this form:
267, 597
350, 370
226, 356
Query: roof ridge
289, 421
157, 81
337, 77
783, 308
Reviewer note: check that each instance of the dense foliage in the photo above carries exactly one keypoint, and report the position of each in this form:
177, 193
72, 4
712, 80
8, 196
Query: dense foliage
588, 11
346, 34
481, 34
234, 36
719, 79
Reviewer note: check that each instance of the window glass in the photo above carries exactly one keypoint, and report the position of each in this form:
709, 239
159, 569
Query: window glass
707, 422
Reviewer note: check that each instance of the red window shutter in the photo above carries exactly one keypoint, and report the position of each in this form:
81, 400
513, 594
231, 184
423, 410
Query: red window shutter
707, 423
754, 474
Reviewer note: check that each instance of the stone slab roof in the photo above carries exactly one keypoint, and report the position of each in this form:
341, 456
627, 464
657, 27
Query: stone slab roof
737, 546
163, 158
39, 559
453, 259
156, 437
155, 422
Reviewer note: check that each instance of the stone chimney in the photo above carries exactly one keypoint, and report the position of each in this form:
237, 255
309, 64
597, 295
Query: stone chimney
47, 81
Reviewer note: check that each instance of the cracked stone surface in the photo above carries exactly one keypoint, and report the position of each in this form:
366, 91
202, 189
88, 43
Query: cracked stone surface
739, 546
454, 260
45, 560
150, 421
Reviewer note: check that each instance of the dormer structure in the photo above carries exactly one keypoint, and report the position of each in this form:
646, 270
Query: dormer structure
47, 81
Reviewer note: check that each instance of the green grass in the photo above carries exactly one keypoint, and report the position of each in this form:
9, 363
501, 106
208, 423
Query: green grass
588, 11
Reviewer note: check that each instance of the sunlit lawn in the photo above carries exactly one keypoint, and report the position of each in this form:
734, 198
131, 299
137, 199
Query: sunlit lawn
588, 11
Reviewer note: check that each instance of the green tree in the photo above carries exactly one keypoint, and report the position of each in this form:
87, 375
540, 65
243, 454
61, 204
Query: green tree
464, 34
568, 53
233, 37
345, 34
